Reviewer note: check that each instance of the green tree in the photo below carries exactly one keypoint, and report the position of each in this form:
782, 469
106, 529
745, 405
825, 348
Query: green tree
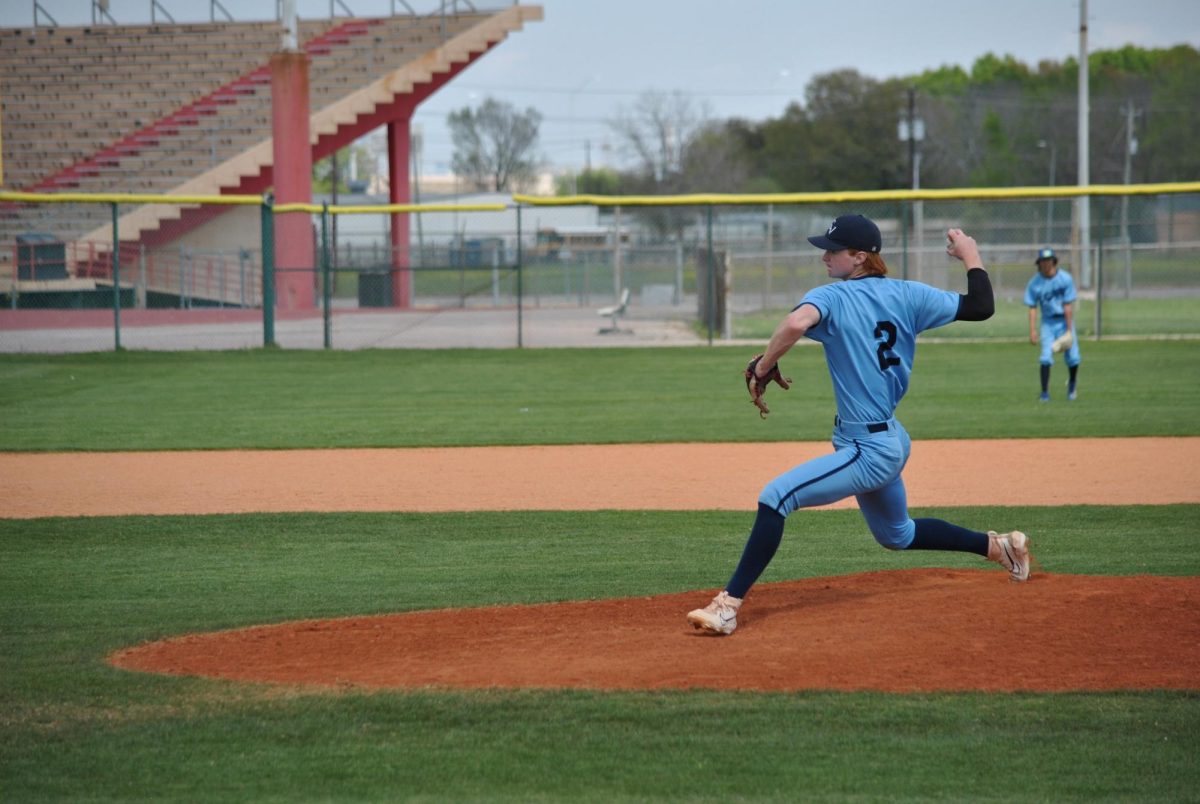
594, 181
843, 138
782, 152
322, 171
851, 132
998, 167
992, 69
1169, 149
998, 123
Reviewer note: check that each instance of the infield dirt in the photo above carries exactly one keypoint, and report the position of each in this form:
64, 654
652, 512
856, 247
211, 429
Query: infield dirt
904, 630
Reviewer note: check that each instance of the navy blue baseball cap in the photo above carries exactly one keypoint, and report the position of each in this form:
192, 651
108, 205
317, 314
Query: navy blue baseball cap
850, 231
1046, 254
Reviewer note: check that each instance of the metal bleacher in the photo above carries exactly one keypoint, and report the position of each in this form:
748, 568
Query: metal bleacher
186, 108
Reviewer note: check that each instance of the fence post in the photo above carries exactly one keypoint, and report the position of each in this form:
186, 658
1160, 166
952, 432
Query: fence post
116, 266
678, 295
618, 280
326, 291
767, 294
495, 276
520, 287
1099, 277
267, 218
712, 279
141, 285
242, 255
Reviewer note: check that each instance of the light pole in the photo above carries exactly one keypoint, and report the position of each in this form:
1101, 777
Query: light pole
912, 130
1050, 201
1083, 202
571, 127
1131, 148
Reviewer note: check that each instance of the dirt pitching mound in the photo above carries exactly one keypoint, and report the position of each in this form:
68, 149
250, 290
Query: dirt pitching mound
895, 631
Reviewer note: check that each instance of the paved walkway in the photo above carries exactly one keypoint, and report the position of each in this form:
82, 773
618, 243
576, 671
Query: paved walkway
350, 329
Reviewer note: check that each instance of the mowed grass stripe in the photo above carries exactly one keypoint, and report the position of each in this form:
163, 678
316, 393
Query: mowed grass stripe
290, 400
71, 590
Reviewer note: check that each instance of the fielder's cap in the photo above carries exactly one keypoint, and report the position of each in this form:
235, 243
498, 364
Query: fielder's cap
850, 231
1046, 254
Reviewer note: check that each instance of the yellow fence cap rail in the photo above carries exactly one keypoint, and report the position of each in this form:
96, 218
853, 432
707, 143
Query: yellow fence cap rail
971, 193
127, 198
390, 208
696, 199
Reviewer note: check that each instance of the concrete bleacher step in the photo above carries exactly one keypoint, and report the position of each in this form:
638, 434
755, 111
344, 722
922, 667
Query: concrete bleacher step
223, 136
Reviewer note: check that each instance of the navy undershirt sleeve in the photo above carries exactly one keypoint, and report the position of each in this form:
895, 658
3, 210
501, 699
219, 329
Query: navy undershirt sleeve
978, 303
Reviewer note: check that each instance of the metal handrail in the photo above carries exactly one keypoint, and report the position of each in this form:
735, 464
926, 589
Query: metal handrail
38, 7
154, 4
102, 7
213, 5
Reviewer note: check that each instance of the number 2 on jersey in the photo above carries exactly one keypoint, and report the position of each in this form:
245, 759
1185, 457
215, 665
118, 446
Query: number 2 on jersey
887, 331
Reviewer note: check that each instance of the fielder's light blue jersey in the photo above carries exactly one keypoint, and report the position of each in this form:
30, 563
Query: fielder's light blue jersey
869, 329
1050, 294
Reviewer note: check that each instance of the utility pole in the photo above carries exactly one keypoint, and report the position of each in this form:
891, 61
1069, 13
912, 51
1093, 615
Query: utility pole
1083, 203
336, 176
916, 132
907, 131
912, 140
1130, 150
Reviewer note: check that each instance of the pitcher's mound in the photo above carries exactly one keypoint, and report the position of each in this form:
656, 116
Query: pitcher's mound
898, 631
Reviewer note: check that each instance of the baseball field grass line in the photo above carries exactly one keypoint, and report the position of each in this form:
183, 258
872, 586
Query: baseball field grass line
1120, 317
292, 400
74, 728
548, 746
693, 477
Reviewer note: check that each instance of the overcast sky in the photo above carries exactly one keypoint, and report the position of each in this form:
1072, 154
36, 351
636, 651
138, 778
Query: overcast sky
588, 59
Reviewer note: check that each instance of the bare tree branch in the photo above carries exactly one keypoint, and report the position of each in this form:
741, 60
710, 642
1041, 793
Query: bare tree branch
494, 146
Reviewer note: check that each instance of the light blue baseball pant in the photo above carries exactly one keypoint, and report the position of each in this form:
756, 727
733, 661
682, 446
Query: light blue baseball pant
1050, 330
866, 465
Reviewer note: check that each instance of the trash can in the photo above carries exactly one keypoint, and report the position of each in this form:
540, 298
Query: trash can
375, 288
40, 256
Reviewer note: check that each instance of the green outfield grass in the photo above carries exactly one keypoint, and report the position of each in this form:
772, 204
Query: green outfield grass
1172, 316
72, 590
280, 400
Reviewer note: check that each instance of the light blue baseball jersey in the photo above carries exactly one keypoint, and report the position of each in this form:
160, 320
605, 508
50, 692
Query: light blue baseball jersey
1050, 294
869, 329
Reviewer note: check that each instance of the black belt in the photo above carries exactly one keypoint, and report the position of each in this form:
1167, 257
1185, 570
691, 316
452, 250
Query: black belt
872, 427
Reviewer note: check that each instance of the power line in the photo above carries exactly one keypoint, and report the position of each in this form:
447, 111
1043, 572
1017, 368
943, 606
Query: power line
733, 93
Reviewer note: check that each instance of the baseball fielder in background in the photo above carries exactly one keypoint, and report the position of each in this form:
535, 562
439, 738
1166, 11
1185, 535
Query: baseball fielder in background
1053, 292
868, 325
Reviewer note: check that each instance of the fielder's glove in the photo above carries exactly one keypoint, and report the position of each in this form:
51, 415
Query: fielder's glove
1062, 343
757, 386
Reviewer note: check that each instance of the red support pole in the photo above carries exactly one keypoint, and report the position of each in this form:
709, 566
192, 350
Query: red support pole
295, 257
399, 142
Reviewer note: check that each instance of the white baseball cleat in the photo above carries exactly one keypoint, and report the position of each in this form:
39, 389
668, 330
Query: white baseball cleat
1010, 550
719, 616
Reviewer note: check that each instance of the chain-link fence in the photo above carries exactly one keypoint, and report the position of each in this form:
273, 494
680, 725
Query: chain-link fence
1141, 275
196, 275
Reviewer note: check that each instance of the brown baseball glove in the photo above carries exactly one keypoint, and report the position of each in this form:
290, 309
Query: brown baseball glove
757, 386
